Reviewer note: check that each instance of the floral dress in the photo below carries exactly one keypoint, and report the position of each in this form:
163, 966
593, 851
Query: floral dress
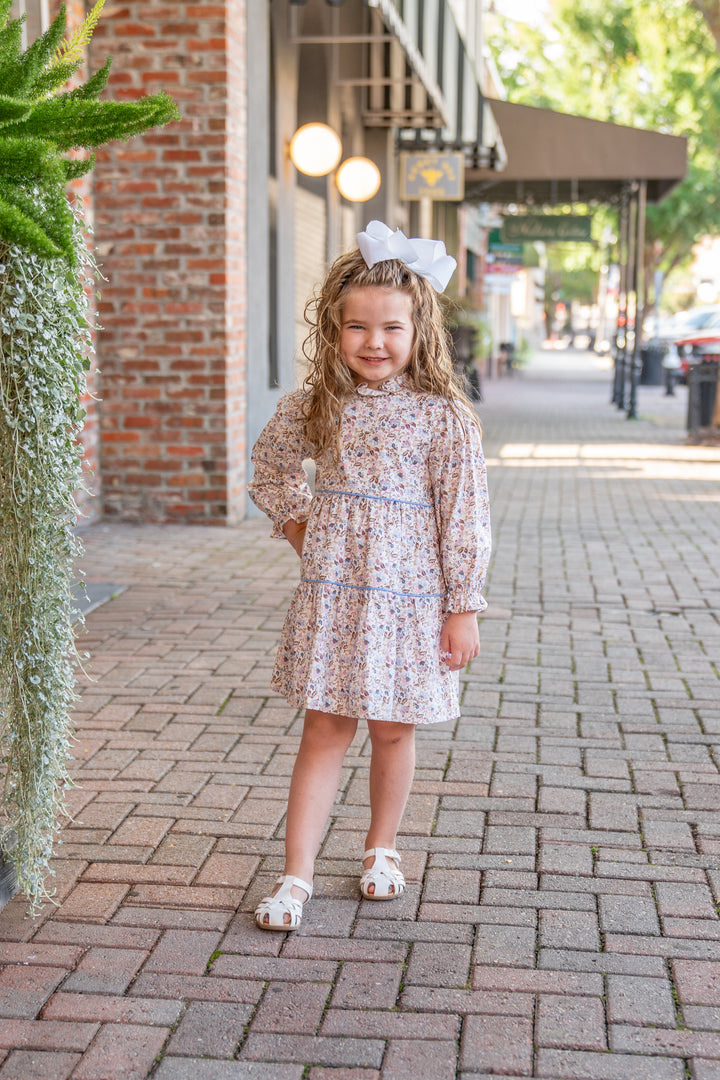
398, 535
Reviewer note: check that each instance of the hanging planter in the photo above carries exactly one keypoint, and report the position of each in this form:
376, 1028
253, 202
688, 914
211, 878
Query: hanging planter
44, 342
46, 278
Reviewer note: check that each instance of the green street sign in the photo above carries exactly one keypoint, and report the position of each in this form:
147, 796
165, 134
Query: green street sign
497, 244
529, 227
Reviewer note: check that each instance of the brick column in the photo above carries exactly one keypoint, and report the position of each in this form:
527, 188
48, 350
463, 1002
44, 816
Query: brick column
170, 226
236, 261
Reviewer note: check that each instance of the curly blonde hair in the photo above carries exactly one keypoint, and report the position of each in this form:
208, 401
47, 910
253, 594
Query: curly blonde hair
330, 381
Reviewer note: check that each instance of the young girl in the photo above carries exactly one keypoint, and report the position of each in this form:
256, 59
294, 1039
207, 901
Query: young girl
394, 544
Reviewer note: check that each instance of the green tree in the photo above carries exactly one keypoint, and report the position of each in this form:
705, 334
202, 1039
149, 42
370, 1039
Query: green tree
646, 63
571, 276
45, 284
710, 11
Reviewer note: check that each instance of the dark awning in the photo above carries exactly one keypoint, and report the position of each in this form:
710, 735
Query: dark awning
556, 158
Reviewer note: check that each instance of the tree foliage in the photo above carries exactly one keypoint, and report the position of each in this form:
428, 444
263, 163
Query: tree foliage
710, 11
645, 63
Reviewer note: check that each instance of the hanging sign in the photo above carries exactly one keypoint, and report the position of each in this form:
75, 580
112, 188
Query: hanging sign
529, 227
498, 247
502, 258
434, 175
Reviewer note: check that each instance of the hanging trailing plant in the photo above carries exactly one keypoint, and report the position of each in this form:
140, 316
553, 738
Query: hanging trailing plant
45, 343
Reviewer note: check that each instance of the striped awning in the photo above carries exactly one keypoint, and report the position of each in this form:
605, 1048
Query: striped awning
418, 77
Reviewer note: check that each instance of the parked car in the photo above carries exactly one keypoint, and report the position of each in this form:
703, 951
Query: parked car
703, 345
679, 332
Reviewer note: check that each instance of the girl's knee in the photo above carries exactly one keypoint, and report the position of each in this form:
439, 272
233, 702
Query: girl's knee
328, 728
390, 733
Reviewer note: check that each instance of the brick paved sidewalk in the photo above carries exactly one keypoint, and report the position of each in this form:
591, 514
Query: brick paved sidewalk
562, 843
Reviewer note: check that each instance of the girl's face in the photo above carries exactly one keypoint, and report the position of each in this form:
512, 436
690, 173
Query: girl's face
377, 333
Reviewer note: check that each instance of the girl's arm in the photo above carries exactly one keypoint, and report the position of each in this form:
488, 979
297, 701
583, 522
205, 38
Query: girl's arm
295, 533
459, 640
459, 481
279, 485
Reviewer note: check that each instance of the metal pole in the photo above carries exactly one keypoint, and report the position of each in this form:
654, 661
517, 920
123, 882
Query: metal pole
639, 297
334, 119
621, 241
631, 292
616, 340
621, 334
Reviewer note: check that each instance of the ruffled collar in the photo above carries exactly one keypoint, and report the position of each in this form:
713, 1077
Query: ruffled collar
394, 385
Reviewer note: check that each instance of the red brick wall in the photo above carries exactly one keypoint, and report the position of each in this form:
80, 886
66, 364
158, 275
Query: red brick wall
169, 213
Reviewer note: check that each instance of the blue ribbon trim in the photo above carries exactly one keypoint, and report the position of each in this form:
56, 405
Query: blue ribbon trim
373, 588
375, 498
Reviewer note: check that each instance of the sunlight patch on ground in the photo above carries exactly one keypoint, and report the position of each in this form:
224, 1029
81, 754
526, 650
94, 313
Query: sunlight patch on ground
689, 497
568, 363
616, 460
612, 470
612, 451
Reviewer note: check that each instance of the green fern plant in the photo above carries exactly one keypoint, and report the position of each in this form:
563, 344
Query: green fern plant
39, 124
46, 276
73, 50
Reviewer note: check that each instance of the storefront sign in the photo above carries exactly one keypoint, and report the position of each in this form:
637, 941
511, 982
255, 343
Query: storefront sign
433, 175
529, 227
502, 268
497, 246
501, 257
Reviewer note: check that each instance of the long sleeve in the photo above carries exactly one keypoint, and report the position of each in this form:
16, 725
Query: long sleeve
279, 486
459, 481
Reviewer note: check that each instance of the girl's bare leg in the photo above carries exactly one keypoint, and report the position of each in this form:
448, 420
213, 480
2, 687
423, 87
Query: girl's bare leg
392, 766
313, 787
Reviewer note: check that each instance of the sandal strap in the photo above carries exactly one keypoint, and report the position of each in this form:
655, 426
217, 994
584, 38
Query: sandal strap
280, 904
387, 879
389, 853
283, 903
286, 883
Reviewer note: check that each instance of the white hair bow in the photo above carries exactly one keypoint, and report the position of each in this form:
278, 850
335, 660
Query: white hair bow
427, 258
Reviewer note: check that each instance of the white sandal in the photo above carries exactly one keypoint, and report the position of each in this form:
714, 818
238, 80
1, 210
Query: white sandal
270, 912
388, 881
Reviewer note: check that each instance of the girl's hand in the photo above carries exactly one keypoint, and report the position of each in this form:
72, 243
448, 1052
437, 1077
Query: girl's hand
295, 533
459, 639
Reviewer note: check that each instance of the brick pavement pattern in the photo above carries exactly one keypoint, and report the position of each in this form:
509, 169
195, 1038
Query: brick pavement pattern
562, 842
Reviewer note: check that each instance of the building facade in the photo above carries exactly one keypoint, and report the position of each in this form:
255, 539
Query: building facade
210, 241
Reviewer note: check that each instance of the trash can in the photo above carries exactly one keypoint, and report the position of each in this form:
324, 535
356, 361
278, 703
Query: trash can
506, 355
702, 384
651, 371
